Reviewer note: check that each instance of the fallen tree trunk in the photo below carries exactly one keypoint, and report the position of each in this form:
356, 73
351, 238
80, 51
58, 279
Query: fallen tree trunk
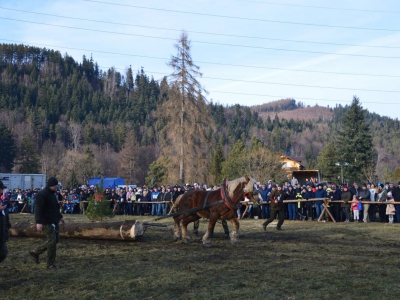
123, 230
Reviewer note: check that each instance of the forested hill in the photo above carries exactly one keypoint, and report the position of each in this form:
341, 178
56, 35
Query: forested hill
71, 119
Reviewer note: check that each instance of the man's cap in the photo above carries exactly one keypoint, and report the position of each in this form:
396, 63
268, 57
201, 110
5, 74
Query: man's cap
52, 181
398, 183
2, 186
195, 183
280, 185
187, 184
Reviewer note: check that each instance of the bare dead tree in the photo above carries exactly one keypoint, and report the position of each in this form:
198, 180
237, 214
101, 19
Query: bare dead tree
75, 131
188, 96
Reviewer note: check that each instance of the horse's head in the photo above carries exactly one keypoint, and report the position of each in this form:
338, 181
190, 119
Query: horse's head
246, 186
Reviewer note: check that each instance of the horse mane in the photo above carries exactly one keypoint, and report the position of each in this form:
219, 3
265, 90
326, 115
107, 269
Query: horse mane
233, 184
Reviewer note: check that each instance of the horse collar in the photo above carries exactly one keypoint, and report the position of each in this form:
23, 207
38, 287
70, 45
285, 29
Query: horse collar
225, 196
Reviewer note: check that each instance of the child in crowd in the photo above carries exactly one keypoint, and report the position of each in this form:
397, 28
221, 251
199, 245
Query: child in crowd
354, 208
390, 208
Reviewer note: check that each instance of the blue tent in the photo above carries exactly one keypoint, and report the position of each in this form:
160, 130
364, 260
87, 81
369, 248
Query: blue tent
95, 181
107, 182
112, 182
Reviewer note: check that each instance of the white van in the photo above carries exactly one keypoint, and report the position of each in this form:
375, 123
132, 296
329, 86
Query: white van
123, 186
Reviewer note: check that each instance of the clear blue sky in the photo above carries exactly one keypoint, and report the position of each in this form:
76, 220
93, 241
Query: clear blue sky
247, 30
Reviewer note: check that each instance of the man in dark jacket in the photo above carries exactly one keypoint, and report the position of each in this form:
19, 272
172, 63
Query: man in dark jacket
47, 216
291, 195
364, 195
276, 207
396, 198
346, 198
4, 227
321, 194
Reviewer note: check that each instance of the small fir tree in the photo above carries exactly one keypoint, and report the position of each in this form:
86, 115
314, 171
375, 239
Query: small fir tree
98, 206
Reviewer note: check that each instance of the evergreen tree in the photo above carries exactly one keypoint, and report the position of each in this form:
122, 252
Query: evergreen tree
310, 157
158, 174
129, 81
327, 163
8, 150
396, 175
354, 142
72, 180
28, 158
232, 167
217, 159
98, 206
88, 166
129, 164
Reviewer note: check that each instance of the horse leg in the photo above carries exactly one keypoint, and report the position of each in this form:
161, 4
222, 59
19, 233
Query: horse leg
235, 232
185, 236
185, 222
210, 230
177, 229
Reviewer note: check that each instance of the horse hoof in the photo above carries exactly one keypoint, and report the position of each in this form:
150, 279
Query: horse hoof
185, 241
207, 245
233, 243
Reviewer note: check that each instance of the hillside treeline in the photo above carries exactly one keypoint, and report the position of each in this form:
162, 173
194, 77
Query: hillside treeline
73, 120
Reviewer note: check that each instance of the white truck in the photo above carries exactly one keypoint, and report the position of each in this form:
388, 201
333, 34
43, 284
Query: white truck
23, 181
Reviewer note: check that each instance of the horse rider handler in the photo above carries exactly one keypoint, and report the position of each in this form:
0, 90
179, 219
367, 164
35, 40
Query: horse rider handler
47, 216
4, 226
276, 207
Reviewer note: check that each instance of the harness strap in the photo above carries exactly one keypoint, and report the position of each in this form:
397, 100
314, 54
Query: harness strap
206, 198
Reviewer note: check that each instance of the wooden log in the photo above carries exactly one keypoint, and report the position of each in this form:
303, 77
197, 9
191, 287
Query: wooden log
123, 230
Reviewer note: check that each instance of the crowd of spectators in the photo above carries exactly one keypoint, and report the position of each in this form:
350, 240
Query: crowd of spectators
345, 205
346, 201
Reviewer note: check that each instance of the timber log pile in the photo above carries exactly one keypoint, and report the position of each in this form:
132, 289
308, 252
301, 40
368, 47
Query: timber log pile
123, 230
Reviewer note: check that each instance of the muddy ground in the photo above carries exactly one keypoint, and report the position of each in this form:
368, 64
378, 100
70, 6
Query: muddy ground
306, 260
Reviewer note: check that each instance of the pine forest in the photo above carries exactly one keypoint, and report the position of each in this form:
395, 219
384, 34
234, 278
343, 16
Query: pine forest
70, 119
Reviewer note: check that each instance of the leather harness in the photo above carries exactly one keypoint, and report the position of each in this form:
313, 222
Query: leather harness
225, 196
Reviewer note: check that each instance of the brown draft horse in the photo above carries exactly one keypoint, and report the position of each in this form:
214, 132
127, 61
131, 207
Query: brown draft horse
229, 195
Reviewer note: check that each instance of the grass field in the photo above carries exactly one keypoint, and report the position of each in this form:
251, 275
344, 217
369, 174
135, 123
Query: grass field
306, 260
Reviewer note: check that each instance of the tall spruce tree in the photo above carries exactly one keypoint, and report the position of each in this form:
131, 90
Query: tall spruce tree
327, 162
28, 158
8, 150
354, 142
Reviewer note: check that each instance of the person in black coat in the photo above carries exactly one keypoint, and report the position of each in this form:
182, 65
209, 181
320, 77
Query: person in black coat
309, 194
4, 227
335, 196
47, 216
